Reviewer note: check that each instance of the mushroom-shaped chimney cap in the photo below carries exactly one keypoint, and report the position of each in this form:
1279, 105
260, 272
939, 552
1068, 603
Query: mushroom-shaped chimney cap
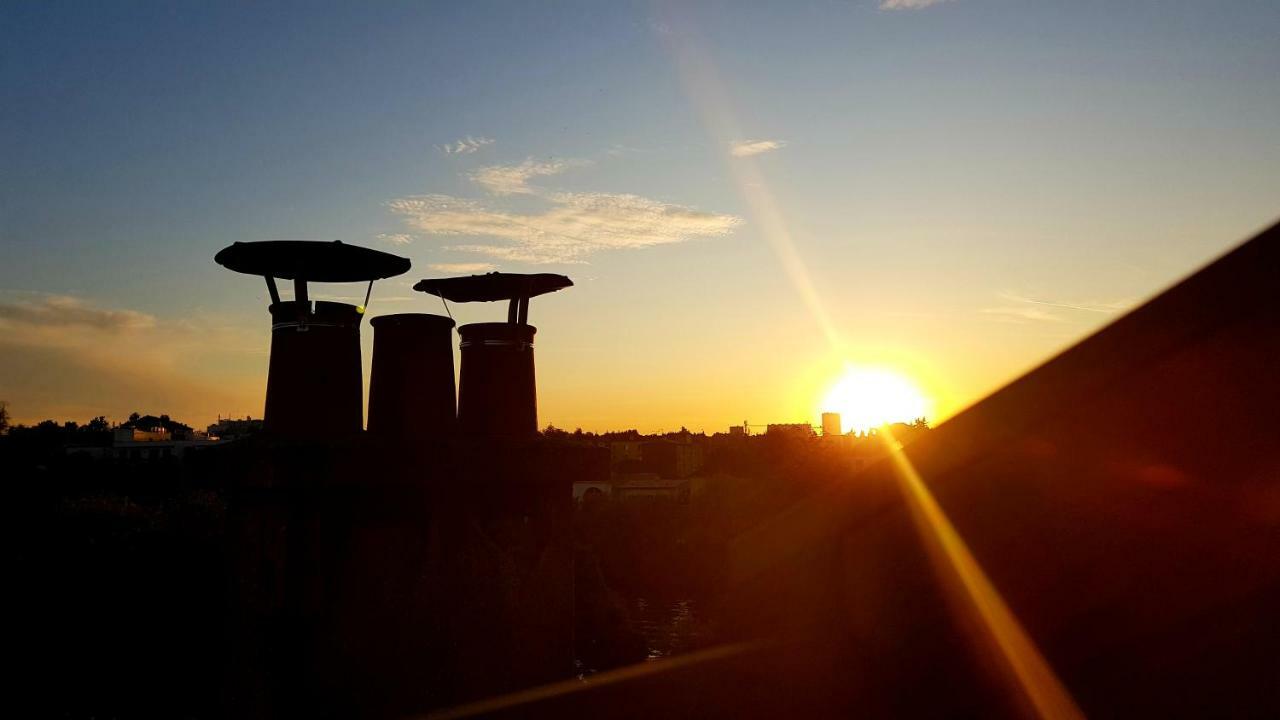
493, 286
311, 260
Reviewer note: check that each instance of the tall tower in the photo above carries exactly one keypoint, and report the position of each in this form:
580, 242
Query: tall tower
497, 390
831, 423
314, 382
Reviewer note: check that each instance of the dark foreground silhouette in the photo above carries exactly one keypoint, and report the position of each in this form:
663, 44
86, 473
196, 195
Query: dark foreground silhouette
1116, 553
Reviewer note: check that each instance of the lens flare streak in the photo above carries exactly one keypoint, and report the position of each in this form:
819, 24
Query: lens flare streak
1046, 694
1036, 679
709, 97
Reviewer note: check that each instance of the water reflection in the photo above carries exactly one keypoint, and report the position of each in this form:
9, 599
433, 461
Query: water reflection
668, 628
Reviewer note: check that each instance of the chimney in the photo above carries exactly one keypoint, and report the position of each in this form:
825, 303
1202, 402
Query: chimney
497, 390
314, 379
314, 382
411, 391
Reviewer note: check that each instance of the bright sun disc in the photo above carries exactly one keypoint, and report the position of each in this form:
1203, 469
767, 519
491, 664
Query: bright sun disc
868, 398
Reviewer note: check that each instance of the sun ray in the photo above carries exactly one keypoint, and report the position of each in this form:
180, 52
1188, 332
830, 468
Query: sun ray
1034, 677
1031, 672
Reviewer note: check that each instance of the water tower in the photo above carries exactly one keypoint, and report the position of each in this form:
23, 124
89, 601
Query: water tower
314, 383
497, 393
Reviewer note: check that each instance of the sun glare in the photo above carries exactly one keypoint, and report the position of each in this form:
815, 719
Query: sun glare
867, 398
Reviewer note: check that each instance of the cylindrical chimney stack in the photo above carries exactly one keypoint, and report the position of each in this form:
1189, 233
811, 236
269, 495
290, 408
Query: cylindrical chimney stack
314, 379
314, 383
411, 390
497, 394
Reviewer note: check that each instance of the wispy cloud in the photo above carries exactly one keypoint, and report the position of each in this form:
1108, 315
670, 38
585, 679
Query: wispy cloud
747, 148
1109, 307
567, 229
462, 268
67, 357
64, 311
574, 225
1021, 308
465, 146
395, 238
907, 4
514, 179
1020, 314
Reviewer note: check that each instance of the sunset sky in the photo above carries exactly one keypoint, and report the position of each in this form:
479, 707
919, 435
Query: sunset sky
747, 196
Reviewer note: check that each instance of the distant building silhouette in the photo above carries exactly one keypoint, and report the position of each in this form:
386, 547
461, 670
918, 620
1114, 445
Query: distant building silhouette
234, 429
831, 423
671, 459
794, 430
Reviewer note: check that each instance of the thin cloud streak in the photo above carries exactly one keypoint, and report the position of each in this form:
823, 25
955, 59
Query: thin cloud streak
1024, 309
514, 179
748, 148
1021, 314
908, 4
573, 227
465, 146
395, 238
463, 268
64, 310
1105, 308
63, 356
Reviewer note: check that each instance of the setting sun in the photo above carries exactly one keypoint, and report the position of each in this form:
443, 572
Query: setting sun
870, 397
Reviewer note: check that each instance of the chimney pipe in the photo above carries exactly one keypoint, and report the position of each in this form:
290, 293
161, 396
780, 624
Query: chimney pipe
314, 379
497, 394
496, 391
411, 391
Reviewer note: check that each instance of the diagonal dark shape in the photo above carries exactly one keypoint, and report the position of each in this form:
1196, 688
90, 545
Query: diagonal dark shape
1124, 497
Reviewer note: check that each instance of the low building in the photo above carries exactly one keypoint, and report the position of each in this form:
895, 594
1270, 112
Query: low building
585, 491
649, 486
671, 459
625, 451
234, 429
123, 435
129, 444
797, 430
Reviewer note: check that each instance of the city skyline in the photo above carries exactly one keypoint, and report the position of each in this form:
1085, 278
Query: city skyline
748, 199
